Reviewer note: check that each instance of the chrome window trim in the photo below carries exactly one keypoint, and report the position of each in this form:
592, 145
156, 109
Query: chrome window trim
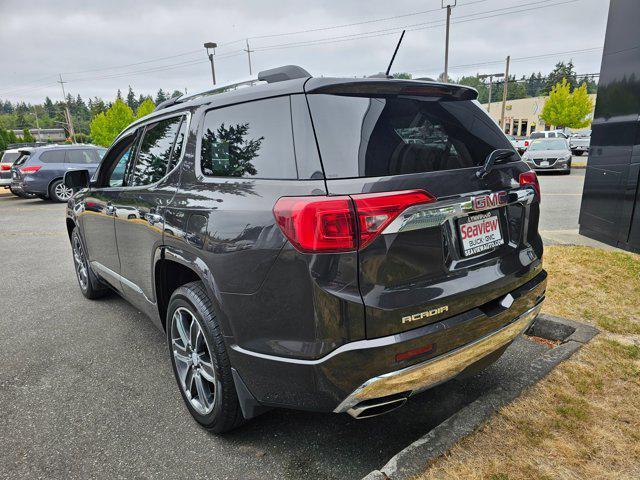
435, 214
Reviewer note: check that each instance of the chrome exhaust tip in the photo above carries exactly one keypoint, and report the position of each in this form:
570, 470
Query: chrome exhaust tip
373, 408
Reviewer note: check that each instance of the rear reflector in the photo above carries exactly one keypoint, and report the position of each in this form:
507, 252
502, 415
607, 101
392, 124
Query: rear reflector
530, 179
31, 169
323, 224
415, 352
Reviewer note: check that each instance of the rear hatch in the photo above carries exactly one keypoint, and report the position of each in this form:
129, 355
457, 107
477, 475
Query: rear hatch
460, 242
16, 174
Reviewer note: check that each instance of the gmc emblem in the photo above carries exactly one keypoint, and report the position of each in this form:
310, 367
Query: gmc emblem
484, 202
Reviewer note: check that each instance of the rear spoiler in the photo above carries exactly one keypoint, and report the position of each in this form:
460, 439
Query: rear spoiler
378, 87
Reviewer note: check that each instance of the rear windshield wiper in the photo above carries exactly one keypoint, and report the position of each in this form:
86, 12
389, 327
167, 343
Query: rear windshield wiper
492, 158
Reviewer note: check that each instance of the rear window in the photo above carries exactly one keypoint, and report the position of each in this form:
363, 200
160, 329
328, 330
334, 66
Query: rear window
536, 135
22, 159
393, 135
9, 157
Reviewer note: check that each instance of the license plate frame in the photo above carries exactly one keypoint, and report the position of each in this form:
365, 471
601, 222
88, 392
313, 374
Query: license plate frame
470, 245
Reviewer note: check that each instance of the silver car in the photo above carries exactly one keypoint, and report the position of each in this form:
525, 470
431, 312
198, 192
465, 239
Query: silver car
549, 154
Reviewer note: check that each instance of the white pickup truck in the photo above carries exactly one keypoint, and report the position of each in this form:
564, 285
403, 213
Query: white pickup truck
580, 142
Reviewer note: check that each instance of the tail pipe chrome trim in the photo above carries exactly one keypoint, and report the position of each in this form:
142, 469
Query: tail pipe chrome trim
373, 409
422, 376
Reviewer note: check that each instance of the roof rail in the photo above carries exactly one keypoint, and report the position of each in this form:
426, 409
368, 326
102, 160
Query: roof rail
168, 102
280, 74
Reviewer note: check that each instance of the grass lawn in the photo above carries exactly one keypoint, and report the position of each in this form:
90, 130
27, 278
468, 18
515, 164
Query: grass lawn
583, 420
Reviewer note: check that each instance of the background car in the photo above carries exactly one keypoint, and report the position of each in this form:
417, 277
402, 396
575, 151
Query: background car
580, 142
549, 154
41, 171
548, 134
8, 158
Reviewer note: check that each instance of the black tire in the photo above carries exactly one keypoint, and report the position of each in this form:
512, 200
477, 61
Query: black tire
578, 153
225, 413
55, 192
90, 286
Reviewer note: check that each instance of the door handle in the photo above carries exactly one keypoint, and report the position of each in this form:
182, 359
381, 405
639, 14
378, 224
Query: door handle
110, 210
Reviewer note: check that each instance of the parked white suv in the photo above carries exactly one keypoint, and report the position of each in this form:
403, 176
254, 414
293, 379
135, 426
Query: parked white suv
6, 160
549, 134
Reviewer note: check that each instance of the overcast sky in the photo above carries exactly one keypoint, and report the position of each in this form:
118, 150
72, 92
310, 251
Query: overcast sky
100, 46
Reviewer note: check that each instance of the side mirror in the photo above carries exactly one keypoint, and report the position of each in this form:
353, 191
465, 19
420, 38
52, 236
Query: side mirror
77, 179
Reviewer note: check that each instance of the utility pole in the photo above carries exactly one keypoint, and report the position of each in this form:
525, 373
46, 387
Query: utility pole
446, 42
490, 77
504, 92
211, 45
72, 133
248, 50
35, 112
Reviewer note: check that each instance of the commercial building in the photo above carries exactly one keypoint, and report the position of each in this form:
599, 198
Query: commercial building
45, 134
522, 116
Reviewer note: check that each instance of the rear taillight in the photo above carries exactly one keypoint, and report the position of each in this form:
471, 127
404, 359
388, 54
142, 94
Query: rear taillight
341, 223
4, 167
31, 169
526, 143
530, 179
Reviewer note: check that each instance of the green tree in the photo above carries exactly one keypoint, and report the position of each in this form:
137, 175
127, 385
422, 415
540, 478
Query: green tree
402, 75
482, 88
161, 96
564, 108
4, 139
131, 99
26, 136
105, 127
561, 71
145, 108
13, 138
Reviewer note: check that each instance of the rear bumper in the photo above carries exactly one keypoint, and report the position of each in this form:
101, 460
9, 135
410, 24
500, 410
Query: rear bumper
423, 376
369, 369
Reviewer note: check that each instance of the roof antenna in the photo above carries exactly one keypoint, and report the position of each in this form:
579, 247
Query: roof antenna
394, 53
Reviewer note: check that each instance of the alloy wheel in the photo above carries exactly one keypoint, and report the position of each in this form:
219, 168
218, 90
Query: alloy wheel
63, 192
193, 361
80, 263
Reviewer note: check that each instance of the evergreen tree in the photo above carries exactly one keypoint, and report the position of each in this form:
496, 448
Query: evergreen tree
97, 106
131, 99
49, 108
26, 136
160, 97
561, 70
176, 94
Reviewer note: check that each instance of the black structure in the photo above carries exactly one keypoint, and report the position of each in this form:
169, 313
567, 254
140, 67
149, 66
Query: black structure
610, 210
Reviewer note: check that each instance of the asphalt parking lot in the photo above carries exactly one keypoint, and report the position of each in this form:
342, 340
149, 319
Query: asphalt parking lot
86, 388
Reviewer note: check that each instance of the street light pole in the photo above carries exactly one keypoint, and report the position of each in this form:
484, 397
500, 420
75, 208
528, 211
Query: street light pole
211, 45
446, 42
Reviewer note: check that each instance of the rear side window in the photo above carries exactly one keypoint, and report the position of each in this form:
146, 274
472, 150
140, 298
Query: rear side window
252, 140
22, 159
154, 155
392, 135
52, 156
83, 157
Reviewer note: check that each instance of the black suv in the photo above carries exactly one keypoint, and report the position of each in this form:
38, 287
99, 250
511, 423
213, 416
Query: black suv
324, 244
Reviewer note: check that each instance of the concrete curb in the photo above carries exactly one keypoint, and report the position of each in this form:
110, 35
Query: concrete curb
415, 458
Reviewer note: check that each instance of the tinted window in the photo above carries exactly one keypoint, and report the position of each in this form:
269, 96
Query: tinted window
177, 149
365, 137
155, 151
537, 135
114, 167
84, 157
9, 157
22, 159
52, 156
249, 140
